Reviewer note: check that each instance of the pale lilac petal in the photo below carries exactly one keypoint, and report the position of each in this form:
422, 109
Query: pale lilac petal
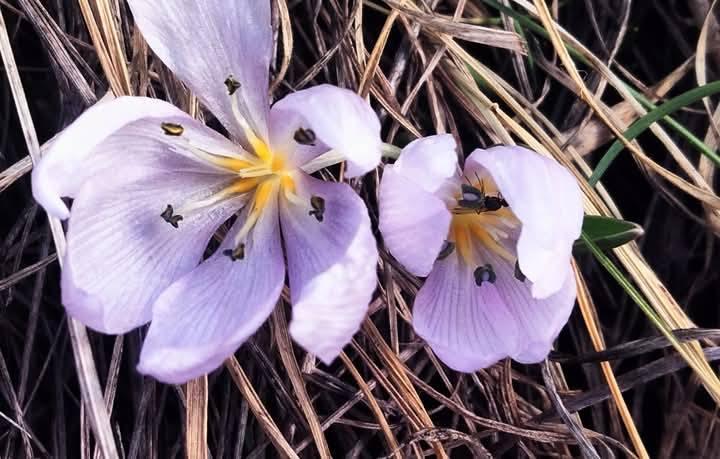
331, 266
539, 320
467, 326
121, 254
548, 202
340, 119
414, 223
204, 43
201, 319
430, 162
74, 154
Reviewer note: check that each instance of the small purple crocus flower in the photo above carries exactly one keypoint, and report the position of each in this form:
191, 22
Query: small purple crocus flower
151, 186
495, 241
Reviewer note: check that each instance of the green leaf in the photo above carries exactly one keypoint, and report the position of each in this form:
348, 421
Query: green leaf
607, 233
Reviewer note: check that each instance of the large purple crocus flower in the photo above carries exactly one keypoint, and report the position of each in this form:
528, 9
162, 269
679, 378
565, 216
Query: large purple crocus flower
151, 186
495, 241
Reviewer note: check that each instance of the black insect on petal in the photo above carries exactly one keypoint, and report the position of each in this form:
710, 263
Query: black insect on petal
305, 136
169, 216
318, 208
172, 129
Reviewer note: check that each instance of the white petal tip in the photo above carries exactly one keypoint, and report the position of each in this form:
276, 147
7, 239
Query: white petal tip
167, 369
325, 348
49, 198
150, 369
56, 208
371, 159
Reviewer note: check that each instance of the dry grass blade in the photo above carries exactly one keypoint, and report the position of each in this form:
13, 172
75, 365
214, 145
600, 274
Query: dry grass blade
587, 309
398, 374
256, 406
61, 48
196, 418
103, 29
86, 372
25, 272
287, 43
389, 436
288, 357
14, 172
706, 168
470, 32
586, 448
374, 60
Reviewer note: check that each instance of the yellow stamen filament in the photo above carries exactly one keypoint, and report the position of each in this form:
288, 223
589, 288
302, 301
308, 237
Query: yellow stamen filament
490, 241
264, 192
258, 146
327, 159
255, 171
234, 164
262, 151
223, 162
463, 243
242, 186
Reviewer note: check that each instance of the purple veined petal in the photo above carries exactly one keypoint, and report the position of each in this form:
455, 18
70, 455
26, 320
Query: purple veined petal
74, 154
414, 223
331, 266
467, 326
121, 253
539, 320
548, 202
206, 42
431, 163
339, 120
201, 319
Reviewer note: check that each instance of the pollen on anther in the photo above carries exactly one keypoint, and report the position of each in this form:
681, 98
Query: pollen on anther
318, 208
173, 129
305, 136
519, 275
447, 249
238, 253
232, 85
169, 216
484, 273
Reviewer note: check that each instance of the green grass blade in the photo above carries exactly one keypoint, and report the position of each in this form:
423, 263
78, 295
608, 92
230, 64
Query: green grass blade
639, 126
530, 24
630, 289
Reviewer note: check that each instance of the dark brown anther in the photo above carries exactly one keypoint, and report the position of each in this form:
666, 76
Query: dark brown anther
318, 208
169, 216
232, 85
518, 273
173, 129
238, 253
484, 274
447, 249
305, 136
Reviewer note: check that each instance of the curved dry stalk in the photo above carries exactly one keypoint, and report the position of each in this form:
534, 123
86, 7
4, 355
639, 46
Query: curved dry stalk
85, 366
